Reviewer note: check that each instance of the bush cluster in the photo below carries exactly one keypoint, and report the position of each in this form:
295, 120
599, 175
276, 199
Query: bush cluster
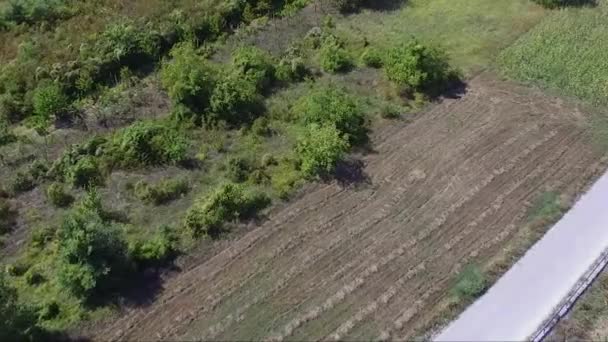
227, 203
7, 216
417, 67
162, 192
18, 322
156, 250
471, 283
32, 12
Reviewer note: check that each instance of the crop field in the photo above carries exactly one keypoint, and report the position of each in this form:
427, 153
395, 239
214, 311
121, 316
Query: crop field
376, 259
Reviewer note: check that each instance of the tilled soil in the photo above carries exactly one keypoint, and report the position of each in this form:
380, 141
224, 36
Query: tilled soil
376, 260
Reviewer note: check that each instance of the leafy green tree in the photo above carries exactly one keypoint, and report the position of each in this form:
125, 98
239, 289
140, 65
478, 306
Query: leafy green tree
50, 102
331, 105
320, 148
417, 67
334, 58
92, 253
188, 77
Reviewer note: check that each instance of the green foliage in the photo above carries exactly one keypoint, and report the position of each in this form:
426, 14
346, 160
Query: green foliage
147, 143
372, 58
471, 283
333, 57
92, 253
163, 192
34, 11
57, 196
21, 182
417, 67
228, 202
347, 6
238, 169
125, 42
320, 148
50, 102
17, 321
291, 67
547, 207
85, 172
333, 106
7, 216
236, 100
6, 135
255, 65
565, 53
188, 77
156, 250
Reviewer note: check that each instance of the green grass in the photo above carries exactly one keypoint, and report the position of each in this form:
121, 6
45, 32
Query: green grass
566, 52
547, 207
472, 31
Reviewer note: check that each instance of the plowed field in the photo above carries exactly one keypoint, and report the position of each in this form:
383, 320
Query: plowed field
376, 260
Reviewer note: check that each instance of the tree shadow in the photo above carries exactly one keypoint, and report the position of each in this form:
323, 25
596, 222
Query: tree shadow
384, 5
351, 172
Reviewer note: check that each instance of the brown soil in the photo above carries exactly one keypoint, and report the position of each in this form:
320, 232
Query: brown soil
378, 259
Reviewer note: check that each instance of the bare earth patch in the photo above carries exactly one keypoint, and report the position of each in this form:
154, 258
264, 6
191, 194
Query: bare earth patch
377, 260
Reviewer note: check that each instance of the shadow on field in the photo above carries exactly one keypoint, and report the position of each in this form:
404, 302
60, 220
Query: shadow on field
351, 172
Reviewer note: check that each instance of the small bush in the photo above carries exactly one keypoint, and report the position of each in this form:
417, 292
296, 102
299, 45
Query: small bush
58, 197
227, 203
188, 77
17, 321
471, 283
334, 106
49, 310
7, 216
21, 182
50, 102
334, 58
34, 277
238, 169
6, 135
255, 65
31, 12
372, 58
147, 143
320, 148
236, 100
156, 250
162, 192
417, 67
291, 67
85, 172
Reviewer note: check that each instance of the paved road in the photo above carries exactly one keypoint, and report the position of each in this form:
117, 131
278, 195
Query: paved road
528, 294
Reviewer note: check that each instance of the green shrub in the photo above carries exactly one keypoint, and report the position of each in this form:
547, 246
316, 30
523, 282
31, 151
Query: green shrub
7, 216
188, 77
34, 277
334, 106
17, 321
320, 148
417, 67
126, 43
255, 65
236, 100
155, 250
291, 67
471, 283
146, 143
49, 310
6, 135
162, 192
92, 253
238, 169
334, 58
50, 102
228, 202
21, 182
347, 6
31, 12
85, 172
57, 195
372, 58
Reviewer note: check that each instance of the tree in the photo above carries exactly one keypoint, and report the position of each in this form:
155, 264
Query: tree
320, 148
255, 65
92, 253
417, 67
50, 102
331, 105
236, 100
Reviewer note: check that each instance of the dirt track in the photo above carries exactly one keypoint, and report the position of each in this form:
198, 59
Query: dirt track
375, 260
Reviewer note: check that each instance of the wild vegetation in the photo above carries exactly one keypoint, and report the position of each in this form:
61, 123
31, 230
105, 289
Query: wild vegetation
157, 127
